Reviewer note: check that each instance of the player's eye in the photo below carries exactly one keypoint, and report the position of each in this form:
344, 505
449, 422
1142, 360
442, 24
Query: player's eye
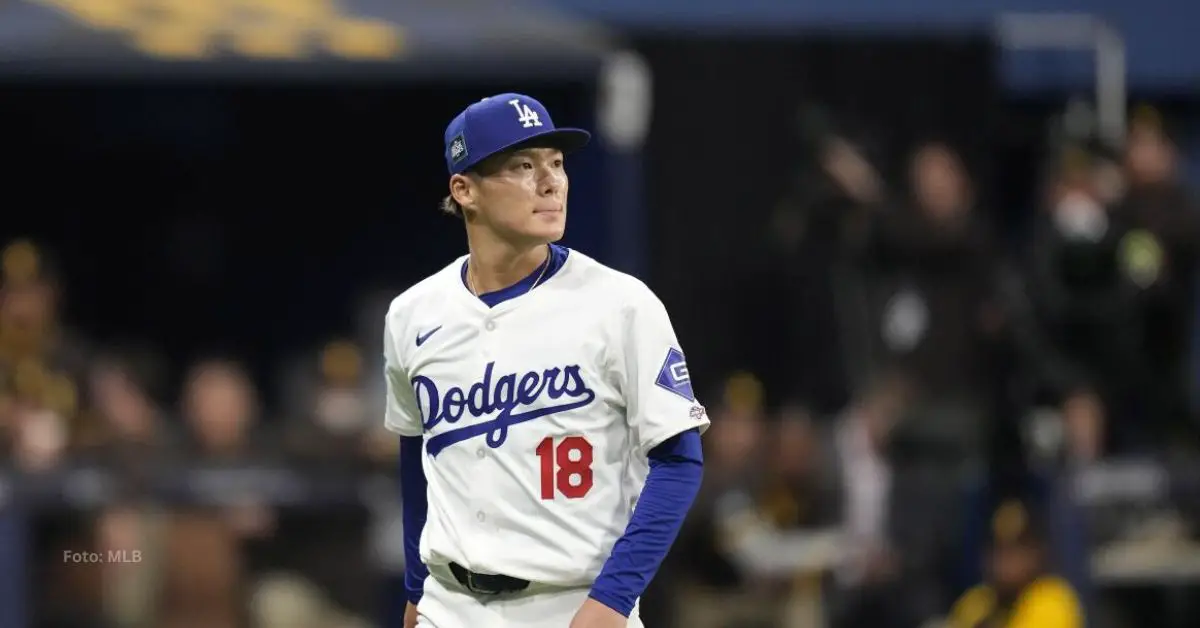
558, 164
526, 165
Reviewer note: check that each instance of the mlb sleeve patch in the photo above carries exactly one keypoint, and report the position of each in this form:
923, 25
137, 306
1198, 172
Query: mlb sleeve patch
655, 379
674, 377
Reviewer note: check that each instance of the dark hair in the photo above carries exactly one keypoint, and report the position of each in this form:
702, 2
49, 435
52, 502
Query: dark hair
451, 207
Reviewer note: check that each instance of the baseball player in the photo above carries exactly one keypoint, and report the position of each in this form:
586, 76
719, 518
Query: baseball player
539, 396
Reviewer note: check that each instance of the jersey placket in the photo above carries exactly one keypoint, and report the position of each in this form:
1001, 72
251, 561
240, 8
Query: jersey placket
482, 491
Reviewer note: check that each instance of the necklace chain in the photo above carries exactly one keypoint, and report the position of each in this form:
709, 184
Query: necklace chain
471, 275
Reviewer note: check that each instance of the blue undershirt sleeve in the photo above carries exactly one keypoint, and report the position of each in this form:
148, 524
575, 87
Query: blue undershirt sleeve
676, 469
414, 505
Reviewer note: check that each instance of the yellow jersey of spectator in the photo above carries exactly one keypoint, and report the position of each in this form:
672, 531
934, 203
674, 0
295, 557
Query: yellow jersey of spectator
1048, 602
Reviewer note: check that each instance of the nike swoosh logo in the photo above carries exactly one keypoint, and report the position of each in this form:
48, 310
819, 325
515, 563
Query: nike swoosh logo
421, 338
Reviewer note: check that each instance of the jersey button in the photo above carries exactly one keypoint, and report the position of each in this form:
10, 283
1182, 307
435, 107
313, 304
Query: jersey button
490, 326
481, 453
480, 516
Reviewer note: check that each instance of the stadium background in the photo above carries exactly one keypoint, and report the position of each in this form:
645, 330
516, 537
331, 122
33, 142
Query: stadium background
253, 182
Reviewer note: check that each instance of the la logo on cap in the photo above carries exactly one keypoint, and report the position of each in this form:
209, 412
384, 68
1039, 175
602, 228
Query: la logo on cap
526, 116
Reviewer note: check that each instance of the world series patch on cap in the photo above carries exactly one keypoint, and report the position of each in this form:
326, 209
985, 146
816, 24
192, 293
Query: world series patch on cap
504, 122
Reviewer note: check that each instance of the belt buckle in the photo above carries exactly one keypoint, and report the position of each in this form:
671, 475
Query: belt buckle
476, 588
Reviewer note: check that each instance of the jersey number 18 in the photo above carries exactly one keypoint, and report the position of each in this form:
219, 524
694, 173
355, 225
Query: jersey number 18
566, 466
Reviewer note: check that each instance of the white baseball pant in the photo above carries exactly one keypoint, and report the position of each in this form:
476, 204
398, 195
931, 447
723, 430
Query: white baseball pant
446, 604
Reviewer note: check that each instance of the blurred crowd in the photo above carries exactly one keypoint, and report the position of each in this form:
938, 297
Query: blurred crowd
932, 379
890, 457
67, 403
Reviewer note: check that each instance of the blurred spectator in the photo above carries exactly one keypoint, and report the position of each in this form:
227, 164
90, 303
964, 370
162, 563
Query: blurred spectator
333, 420
710, 589
1085, 296
131, 588
800, 495
204, 573
740, 422
221, 410
333, 423
933, 269
892, 519
125, 431
207, 550
799, 491
27, 310
862, 440
797, 330
124, 427
1159, 255
1021, 590
1083, 419
39, 362
42, 405
30, 328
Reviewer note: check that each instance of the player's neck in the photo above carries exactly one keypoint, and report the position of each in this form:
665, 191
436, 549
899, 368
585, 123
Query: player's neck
496, 266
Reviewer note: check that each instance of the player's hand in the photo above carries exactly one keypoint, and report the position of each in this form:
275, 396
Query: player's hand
593, 614
410, 615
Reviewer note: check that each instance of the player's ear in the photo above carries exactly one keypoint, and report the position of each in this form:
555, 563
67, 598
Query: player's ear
463, 191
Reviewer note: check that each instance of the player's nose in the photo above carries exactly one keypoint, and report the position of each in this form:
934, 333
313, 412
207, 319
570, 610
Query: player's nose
550, 185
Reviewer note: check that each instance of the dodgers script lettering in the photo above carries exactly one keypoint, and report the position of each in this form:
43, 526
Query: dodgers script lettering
511, 397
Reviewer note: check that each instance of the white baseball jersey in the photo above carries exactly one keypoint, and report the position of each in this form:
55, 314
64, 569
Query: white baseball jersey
537, 415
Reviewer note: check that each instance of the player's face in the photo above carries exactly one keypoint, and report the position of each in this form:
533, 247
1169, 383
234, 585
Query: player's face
522, 196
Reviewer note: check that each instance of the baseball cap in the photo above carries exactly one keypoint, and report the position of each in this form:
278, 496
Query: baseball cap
1016, 523
501, 122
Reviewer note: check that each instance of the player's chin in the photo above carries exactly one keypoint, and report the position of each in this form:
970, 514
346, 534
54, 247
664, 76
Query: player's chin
549, 224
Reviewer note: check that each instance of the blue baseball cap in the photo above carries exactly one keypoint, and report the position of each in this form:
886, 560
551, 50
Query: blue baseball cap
502, 122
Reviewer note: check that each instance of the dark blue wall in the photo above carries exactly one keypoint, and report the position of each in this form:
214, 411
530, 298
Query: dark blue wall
1164, 54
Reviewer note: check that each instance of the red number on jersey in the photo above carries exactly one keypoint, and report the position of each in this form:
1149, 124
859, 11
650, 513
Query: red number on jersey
566, 466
